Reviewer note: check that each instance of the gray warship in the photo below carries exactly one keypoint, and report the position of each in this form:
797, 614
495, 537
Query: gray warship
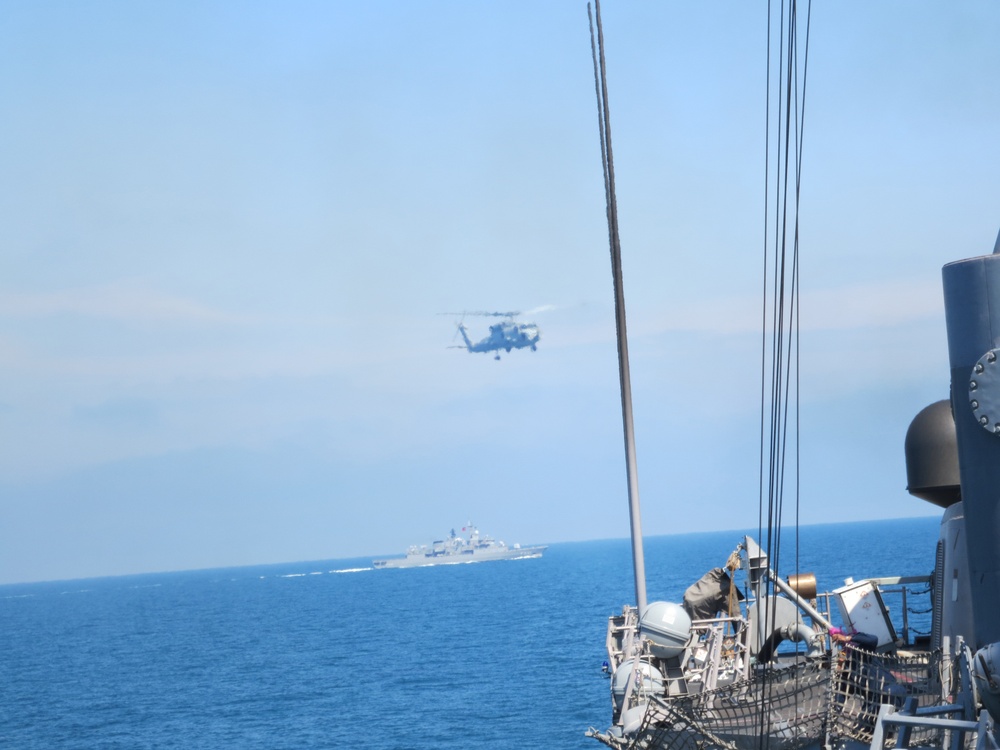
751, 659
458, 549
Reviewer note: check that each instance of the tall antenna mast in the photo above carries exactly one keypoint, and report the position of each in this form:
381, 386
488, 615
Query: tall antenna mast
635, 519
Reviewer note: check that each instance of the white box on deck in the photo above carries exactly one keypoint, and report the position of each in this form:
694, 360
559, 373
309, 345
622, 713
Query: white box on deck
863, 611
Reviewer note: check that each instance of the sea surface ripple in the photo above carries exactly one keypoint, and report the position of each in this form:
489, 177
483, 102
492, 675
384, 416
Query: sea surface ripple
335, 654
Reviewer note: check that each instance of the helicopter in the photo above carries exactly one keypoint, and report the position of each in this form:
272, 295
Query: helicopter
507, 334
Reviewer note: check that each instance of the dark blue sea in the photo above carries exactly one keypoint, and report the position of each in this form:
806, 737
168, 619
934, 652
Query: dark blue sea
333, 654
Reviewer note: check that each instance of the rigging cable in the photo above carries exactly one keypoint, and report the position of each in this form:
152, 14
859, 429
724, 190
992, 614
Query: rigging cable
780, 317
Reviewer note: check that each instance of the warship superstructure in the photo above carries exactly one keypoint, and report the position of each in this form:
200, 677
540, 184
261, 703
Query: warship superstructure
754, 660
457, 549
751, 659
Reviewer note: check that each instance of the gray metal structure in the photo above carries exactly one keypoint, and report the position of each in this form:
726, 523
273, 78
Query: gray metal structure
457, 549
775, 670
972, 311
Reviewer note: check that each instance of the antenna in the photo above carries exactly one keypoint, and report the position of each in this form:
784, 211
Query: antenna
632, 472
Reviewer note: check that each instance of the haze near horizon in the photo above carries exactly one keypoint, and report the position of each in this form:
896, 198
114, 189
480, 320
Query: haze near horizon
228, 230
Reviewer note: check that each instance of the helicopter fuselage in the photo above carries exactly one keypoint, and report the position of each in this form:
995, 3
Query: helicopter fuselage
506, 335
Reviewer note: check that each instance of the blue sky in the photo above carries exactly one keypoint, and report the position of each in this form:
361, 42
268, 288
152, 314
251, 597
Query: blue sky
227, 228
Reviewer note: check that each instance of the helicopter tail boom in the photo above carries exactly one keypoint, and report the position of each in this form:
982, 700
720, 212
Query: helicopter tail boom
465, 337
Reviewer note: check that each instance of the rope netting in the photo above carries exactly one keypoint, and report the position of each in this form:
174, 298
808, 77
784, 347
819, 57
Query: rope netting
863, 681
789, 708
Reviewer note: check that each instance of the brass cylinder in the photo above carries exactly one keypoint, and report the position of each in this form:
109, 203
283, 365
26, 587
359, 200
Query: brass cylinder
804, 585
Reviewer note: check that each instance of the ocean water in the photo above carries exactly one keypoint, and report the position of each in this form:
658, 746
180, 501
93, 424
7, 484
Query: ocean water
334, 654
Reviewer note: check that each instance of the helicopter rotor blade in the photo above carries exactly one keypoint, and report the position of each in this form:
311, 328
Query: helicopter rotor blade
499, 314
540, 309
485, 313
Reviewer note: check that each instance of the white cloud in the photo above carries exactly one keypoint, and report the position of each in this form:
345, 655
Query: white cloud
124, 301
856, 306
873, 305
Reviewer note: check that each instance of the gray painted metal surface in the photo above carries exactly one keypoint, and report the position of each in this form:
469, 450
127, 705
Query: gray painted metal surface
972, 311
